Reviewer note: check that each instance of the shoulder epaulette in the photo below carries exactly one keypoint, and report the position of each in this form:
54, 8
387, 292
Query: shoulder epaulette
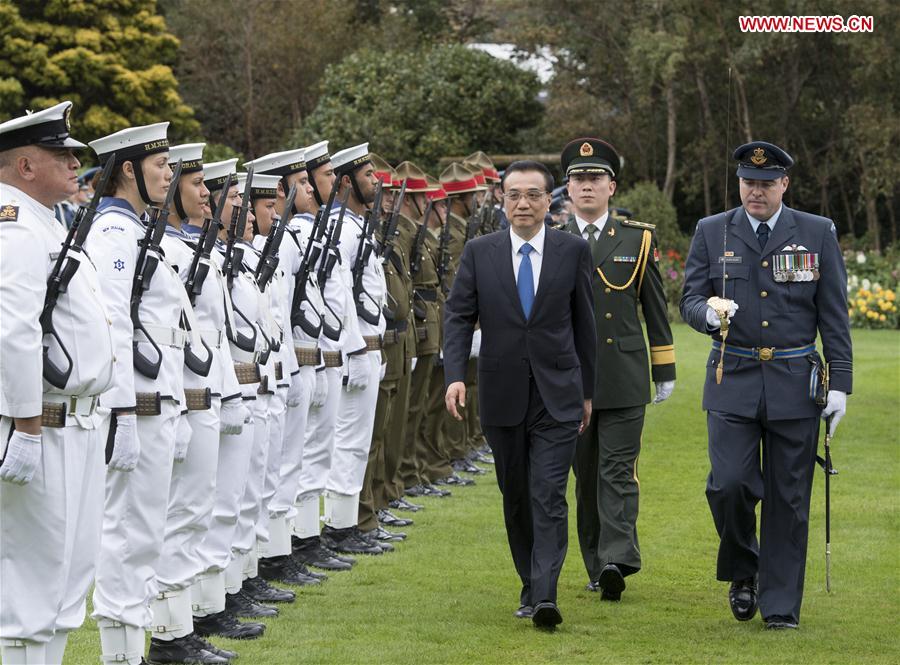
637, 225
9, 213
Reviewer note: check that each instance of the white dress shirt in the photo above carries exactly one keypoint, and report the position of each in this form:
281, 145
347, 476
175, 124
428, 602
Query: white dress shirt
536, 256
771, 221
600, 222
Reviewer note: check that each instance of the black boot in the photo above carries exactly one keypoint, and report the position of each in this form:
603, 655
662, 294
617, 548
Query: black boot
181, 650
209, 646
242, 605
263, 592
284, 569
347, 540
310, 552
225, 624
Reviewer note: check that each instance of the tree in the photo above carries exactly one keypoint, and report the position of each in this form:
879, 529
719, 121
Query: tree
111, 58
422, 105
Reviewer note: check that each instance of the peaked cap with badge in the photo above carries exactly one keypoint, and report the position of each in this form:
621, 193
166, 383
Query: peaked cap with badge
589, 155
46, 129
760, 160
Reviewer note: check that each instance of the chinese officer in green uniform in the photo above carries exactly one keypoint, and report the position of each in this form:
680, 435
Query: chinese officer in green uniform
625, 279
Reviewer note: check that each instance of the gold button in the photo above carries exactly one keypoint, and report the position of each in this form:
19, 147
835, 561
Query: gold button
609, 340
607, 290
763, 294
765, 324
765, 264
608, 315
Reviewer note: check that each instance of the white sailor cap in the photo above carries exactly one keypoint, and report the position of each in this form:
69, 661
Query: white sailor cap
282, 163
316, 155
217, 175
133, 143
48, 129
264, 186
348, 159
190, 154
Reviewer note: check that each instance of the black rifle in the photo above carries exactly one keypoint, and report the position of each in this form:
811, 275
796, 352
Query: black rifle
144, 269
444, 252
415, 263
268, 258
197, 274
330, 256
389, 232
363, 252
231, 266
474, 223
63, 271
311, 254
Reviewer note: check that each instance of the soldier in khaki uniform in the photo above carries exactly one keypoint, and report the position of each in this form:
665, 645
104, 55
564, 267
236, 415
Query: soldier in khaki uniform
625, 276
373, 501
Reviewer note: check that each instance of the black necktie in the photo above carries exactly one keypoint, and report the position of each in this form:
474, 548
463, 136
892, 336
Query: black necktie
762, 234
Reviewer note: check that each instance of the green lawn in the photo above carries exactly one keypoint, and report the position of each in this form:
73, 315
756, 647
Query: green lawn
447, 595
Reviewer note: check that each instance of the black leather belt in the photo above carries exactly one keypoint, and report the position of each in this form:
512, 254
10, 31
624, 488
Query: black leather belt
427, 294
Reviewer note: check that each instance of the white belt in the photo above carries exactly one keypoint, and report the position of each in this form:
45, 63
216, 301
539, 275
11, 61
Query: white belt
164, 335
213, 338
241, 356
306, 346
76, 405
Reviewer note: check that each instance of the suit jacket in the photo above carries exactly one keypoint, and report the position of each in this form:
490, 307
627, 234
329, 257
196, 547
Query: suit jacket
621, 347
557, 343
772, 313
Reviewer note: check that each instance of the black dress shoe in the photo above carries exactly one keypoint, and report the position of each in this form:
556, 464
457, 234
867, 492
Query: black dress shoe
209, 646
779, 622
524, 612
611, 582
225, 624
546, 615
311, 552
743, 599
403, 504
285, 569
347, 540
371, 538
263, 592
384, 536
334, 555
181, 650
435, 491
415, 490
387, 518
242, 605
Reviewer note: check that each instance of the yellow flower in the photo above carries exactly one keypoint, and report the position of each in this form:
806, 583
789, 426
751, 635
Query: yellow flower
862, 308
850, 312
860, 302
884, 305
890, 295
872, 314
882, 317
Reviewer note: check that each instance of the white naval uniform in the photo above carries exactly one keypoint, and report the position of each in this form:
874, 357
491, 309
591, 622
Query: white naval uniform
356, 408
135, 507
318, 452
235, 452
50, 527
193, 487
282, 509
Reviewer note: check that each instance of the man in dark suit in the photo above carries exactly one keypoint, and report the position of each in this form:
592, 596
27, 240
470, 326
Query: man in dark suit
529, 289
780, 273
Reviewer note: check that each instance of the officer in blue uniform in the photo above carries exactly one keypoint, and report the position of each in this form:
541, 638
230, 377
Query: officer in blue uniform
783, 275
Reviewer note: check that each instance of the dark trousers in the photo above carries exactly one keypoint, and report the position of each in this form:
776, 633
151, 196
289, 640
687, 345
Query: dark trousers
532, 464
783, 482
607, 490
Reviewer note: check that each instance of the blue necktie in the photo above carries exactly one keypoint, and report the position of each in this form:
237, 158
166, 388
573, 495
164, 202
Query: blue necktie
762, 234
525, 284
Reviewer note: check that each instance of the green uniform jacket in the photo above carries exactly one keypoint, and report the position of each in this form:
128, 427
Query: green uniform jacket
621, 378
406, 232
399, 286
425, 298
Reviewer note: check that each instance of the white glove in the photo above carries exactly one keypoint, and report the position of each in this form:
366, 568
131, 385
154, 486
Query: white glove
126, 445
412, 367
836, 407
233, 416
183, 433
476, 344
320, 393
381, 372
295, 392
712, 319
358, 372
664, 391
23, 454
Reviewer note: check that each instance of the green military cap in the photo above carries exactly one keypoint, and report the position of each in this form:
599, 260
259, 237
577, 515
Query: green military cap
590, 155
